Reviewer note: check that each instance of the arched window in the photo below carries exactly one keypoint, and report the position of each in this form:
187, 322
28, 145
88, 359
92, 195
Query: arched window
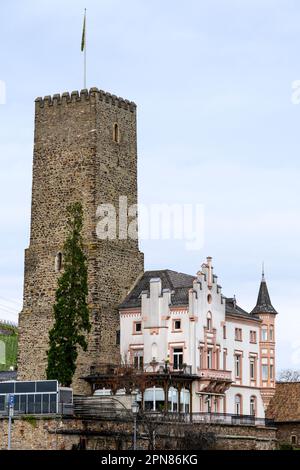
58, 262
238, 404
173, 400
253, 405
116, 133
184, 401
209, 321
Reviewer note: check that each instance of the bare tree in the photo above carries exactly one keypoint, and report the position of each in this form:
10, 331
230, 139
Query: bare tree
163, 432
197, 436
151, 426
289, 375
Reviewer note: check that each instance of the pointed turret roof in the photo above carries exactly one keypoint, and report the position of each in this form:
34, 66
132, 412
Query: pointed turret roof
263, 304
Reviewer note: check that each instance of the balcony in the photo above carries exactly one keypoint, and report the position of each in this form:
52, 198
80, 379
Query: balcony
214, 380
153, 367
166, 368
154, 374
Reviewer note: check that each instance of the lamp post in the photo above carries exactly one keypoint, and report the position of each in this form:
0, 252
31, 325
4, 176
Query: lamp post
135, 410
11, 402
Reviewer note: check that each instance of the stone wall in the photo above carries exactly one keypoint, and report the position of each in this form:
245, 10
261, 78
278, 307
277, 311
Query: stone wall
77, 159
288, 433
56, 434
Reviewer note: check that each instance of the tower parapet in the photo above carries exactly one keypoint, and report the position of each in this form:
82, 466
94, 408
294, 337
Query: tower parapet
93, 94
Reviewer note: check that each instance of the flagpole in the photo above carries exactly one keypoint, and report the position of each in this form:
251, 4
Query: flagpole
84, 66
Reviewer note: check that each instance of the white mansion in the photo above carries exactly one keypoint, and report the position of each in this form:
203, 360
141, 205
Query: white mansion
218, 357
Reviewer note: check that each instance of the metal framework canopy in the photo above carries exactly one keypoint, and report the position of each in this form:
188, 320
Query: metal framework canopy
35, 397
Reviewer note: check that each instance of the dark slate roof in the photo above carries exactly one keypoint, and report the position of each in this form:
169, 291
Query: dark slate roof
233, 309
178, 283
263, 304
8, 375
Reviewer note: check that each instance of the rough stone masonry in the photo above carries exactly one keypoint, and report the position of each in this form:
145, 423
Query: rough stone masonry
85, 149
41, 433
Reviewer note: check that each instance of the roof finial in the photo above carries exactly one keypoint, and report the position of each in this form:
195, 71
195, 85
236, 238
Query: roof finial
263, 271
209, 273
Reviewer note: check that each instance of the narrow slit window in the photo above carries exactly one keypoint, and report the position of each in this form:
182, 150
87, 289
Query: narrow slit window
58, 262
116, 133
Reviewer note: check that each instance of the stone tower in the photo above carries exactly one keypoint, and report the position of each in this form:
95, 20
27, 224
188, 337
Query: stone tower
85, 149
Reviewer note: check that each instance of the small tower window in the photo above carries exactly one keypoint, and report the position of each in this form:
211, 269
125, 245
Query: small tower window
58, 262
118, 337
116, 133
264, 333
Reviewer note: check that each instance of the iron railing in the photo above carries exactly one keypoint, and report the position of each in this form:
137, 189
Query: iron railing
152, 367
215, 374
108, 407
166, 368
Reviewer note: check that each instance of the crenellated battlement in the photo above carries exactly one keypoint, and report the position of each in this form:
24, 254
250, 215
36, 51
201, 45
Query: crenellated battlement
85, 95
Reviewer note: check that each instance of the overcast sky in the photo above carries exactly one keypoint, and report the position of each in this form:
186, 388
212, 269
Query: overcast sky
216, 126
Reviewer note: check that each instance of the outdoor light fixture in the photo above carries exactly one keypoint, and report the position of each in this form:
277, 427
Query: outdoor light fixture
135, 410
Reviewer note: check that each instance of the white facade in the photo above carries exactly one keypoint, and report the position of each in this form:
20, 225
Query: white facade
207, 336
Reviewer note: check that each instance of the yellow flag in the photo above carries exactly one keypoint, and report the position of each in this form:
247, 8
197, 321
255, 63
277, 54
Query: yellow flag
83, 33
